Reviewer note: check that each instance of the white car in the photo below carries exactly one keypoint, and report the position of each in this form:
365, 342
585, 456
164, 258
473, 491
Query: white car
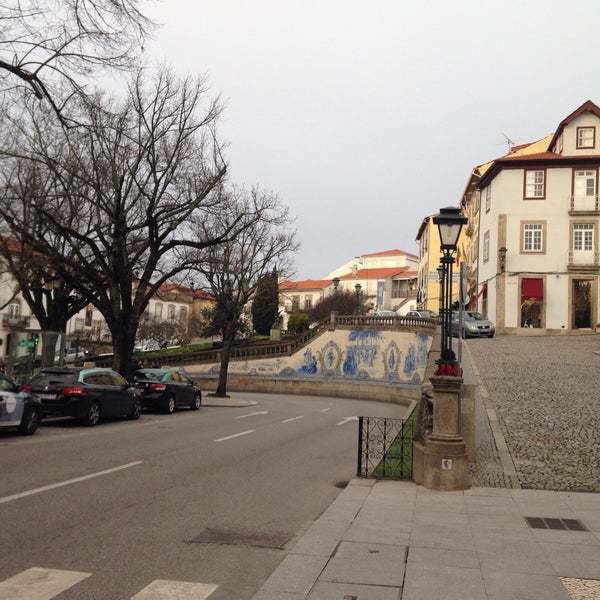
18, 410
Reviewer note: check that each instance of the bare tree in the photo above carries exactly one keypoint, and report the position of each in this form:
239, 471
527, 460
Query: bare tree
233, 269
163, 333
49, 48
51, 300
128, 185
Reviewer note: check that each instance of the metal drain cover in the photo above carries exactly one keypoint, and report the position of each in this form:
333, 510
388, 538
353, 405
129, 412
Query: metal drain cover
232, 537
555, 523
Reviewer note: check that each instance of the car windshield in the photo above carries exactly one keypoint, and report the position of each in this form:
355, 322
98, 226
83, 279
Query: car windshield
150, 375
474, 316
428, 314
45, 378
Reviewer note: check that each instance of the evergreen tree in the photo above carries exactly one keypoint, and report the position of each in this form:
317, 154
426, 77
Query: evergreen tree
265, 304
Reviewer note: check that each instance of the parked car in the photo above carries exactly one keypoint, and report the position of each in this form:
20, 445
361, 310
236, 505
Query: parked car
383, 313
85, 394
18, 409
422, 314
166, 390
474, 325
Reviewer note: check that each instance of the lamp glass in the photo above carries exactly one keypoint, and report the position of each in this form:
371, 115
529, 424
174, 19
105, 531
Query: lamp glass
449, 233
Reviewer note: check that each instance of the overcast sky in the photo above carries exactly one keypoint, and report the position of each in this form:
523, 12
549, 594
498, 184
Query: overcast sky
367, 116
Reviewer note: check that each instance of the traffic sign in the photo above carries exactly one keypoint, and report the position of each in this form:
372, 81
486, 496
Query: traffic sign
26, 343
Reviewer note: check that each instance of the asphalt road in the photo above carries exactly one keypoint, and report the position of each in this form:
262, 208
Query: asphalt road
143, 490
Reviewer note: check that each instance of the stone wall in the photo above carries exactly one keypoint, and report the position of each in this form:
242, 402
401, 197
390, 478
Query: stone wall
345, 355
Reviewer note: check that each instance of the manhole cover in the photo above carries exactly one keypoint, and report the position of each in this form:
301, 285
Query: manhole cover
232, 537
555, 523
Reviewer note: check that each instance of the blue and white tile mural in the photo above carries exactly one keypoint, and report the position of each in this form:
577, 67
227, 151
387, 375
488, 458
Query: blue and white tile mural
381, 356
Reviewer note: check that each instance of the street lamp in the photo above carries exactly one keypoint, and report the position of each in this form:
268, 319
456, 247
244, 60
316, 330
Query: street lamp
358, 287
336, 283
450, 221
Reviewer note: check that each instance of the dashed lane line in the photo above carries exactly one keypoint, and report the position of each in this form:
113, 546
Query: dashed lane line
346, 420
54, 486
39, 584
323, 410
253, 414
235, 435
293, 419
178, 590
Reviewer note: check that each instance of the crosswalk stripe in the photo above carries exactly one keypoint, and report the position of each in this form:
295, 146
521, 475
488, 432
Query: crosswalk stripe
40, 584
163, 589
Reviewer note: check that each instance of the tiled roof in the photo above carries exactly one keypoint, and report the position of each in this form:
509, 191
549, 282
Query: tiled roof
165, 288
305, 284
380, 273
393, 252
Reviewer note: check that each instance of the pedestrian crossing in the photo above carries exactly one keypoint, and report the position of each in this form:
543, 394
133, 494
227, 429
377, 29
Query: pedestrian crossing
44, 584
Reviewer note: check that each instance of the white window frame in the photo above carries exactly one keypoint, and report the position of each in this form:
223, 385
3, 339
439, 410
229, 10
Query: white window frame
583, 237
533, 238
488, 198
158, 311
591, 139
535, 184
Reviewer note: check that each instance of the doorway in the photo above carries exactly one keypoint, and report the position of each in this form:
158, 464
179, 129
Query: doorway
582, 304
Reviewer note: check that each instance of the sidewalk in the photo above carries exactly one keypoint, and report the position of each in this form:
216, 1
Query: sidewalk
398, 541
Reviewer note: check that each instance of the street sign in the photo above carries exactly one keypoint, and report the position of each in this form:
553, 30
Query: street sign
26, 343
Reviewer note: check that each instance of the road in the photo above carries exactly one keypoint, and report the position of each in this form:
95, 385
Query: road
107, 513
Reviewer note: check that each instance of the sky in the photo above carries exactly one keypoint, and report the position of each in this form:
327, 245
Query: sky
367, 116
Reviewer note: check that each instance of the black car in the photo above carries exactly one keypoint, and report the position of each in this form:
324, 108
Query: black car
85, 394
18, 409
165, 390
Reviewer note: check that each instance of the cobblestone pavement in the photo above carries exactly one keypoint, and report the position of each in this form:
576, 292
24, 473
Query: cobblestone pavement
547, 396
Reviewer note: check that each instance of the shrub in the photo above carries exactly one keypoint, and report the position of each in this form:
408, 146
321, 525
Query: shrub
298, 323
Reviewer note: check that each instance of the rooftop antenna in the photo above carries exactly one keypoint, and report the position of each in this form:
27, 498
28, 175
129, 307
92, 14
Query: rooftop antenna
510, 143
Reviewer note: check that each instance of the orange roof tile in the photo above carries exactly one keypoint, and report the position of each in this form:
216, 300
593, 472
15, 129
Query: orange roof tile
305, 284
379, 273
393, 252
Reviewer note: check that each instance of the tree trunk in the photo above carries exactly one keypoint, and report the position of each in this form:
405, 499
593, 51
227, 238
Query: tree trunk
222, 387
49, 339
123, 345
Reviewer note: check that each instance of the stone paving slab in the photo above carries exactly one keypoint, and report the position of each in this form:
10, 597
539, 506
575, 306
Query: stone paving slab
439, 552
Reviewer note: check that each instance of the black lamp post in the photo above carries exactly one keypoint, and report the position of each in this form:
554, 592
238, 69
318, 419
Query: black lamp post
450, 221
358, 287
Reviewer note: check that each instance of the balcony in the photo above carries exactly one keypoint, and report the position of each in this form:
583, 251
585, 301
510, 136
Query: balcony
588, 262
584, 205
15, 321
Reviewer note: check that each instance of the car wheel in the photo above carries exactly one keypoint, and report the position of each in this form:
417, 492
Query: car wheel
169, 406
491, 335
30, 421
92, 418
136, 411
196, 402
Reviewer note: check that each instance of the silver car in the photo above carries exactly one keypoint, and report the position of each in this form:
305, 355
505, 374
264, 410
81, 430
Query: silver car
474, 325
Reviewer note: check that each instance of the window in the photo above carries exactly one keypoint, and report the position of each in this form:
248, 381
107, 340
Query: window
583, 237
89, 313
584, 183
488, 198
171, 312
158, 311
532, 237
486, 246
183, 314
79, 323
396, 288
14, 310
535, 184
586, 137
295, 303
307, 302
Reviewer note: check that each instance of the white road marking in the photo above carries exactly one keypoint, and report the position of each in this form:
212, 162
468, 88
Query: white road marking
230, 437
324, 409
53, 486
39, 584
161, 589
260, 412
346, 420
293, 419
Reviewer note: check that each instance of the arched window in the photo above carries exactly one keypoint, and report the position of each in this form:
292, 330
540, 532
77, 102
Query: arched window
171, 312
183, 314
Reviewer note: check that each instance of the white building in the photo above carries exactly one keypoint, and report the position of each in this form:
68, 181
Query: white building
539, 263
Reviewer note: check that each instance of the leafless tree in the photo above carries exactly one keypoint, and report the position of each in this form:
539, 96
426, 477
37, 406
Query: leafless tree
50, 48
163, 333
51, 300
128, 186
233, 269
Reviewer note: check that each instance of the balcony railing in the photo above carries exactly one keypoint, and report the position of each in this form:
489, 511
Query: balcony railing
584, 260
584, 204
17, 321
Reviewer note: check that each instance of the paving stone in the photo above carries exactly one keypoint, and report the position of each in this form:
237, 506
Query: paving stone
375, 534
441, 556
521, 586
441, 536
551, 423
367, 564
321, 538
517, 556
433, 582
296, 574
565, 537
570, 560
338, 591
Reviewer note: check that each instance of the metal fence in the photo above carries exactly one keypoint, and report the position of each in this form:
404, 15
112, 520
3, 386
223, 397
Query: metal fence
385, 447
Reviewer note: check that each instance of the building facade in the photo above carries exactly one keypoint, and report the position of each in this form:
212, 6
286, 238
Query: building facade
538, 255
